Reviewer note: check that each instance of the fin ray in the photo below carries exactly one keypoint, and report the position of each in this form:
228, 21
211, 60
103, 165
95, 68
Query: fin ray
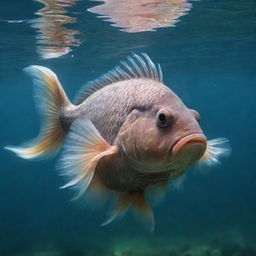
51, 98
83, 149
135, 67
216, 148
137, 201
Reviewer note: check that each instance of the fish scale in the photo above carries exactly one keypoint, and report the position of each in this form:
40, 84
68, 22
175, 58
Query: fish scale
108, 107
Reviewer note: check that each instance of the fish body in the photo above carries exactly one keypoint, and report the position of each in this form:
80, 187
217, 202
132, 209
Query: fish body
126, 132
109, 107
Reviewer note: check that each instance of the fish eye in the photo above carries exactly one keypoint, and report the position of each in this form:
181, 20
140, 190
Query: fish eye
195, 114
164, 118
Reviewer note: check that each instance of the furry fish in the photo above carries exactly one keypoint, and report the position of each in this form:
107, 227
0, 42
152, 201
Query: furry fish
126, 133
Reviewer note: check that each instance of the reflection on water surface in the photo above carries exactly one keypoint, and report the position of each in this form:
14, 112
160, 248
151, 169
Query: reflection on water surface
53, 38
141, 15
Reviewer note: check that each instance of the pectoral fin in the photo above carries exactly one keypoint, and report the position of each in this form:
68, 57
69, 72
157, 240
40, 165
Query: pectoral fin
216, 149
83, 150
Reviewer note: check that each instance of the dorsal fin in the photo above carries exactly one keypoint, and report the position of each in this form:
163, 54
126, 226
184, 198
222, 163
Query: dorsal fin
135, 67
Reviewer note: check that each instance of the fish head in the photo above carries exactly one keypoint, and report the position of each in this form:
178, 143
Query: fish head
164, 137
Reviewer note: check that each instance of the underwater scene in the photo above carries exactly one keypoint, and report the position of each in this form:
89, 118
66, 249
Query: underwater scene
131, 131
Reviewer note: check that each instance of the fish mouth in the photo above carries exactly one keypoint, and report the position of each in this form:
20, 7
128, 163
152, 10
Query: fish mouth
193, 144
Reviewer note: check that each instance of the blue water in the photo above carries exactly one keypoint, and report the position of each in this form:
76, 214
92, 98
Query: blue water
208, 58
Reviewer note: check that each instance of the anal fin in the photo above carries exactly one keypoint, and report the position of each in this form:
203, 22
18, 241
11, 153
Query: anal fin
137, 201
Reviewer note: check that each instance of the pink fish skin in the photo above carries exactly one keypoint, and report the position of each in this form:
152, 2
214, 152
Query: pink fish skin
126, 134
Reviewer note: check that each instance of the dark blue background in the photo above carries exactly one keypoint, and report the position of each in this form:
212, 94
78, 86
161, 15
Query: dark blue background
208, 59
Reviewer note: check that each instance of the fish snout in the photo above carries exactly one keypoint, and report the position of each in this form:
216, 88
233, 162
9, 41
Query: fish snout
190, 148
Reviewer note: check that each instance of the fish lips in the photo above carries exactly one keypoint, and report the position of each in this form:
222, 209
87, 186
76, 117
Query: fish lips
190, 148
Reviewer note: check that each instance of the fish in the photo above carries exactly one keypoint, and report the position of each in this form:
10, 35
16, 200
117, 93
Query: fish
125, 134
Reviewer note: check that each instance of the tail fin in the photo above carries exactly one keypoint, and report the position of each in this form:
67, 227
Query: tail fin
52, 100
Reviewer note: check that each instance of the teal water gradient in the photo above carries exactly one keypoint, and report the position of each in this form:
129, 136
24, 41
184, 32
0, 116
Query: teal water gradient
208, 59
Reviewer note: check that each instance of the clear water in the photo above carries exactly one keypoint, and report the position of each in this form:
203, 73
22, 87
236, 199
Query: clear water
208, 58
